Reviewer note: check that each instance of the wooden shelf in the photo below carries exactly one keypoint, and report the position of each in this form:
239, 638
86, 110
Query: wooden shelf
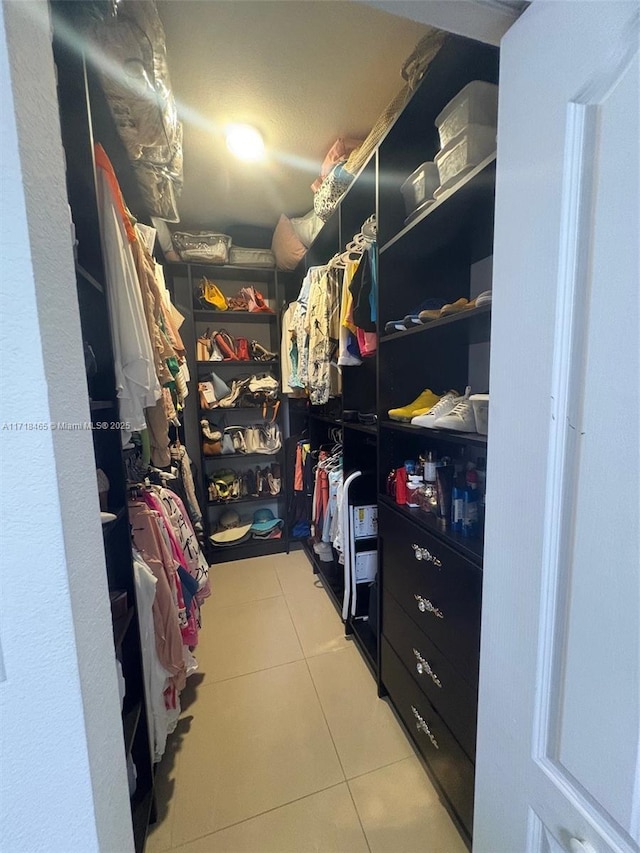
120, 628
237, 457
229, 363
475, 322
433, 229
205, 413
366, 641
248, 500
130, 720
470, 548
203, 315
325, 419
86, 276
369, 430
437, 434
251, 548
332, 585
228, 272
140, 815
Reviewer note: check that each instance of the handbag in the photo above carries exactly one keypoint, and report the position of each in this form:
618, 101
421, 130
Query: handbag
212, 295
331, 191
211, 438
263, 438
259, 353
260, 390
203, 347
226, 345
236, 434
206, 395
242, 349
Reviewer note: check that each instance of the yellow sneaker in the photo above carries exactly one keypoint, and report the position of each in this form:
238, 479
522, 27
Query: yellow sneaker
423, 403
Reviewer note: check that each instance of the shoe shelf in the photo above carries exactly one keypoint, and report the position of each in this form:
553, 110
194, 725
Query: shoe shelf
251, 548
369, 429
204, 315
228, 272
437, 434
476, 323
222, 457
248, 500
471, 197
469, 548
120, 628
325, 419
238, 363
331, 575
257, 409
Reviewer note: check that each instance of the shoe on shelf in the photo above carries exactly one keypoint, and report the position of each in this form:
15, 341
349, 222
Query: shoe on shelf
444, 405
461, 418
454, 307
413, 317
423, 403
481, 299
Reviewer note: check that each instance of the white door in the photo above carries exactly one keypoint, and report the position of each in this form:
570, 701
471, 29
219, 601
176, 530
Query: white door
558, 764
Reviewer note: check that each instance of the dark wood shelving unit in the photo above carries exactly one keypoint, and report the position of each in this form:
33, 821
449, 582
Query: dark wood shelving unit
367, 643
237, 457
475, 322
470, 548
130, 720
248, 500
100, 405
437, 434
245, 550
206, 315
369, 429
429, 232
333, 588
229, 363
121, 626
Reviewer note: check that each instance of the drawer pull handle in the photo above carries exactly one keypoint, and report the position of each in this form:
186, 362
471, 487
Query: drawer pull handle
423, 727
426, 555
424, 668
425, 606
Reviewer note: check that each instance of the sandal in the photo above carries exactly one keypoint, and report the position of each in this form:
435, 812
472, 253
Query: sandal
259, 353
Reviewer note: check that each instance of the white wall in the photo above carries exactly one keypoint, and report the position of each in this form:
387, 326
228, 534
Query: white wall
63, 784
484, 20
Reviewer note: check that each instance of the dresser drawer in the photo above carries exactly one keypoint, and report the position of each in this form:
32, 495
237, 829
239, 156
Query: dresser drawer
453, 698
443, 754
441, 591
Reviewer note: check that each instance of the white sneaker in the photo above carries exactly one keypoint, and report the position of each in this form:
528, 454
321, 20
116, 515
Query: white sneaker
461, 418
444, 405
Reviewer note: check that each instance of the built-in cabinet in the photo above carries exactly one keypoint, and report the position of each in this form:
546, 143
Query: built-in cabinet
421, 633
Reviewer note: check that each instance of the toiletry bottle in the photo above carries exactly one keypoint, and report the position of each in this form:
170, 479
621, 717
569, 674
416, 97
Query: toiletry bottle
430, 501
430, 467
401, 486
413, 485
457, 504
470, 505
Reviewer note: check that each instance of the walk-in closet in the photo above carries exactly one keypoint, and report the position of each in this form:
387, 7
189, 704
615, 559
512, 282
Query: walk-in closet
341, 343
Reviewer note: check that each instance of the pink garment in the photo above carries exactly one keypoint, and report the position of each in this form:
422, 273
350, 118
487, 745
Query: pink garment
367, 342
338, 152
189, 626
154, 552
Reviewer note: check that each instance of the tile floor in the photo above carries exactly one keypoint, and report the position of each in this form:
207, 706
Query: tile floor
283, 745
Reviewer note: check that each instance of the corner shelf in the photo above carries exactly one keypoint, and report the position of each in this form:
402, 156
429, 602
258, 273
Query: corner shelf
437, 434
474, 191
203, 315
470, 548
239, 363
473, 317
366, 428
248, 500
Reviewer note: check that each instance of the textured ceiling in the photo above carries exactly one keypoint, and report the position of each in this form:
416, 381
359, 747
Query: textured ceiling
302, 71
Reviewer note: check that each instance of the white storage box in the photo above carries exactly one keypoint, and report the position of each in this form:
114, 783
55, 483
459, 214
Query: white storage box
203, 247
366, 566
480, 403
464, 153
477, 103
241, 257
419, 186
365, 521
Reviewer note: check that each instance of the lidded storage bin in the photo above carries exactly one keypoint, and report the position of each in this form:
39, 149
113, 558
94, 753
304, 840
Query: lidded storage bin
477, 103
244, 257
419, 186
203, 246
464, 152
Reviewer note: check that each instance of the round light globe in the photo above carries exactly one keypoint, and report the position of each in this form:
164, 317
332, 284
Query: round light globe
245, 142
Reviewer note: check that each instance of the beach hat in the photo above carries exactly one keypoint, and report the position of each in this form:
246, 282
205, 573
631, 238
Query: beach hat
231, 529
264, 521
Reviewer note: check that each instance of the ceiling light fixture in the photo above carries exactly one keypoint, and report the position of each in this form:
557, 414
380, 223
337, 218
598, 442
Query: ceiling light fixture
245, 142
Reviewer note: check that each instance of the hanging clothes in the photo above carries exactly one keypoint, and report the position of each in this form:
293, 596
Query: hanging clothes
137, 384
323, 315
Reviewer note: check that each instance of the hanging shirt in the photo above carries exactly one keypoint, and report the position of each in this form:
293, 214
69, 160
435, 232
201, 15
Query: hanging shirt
137, 384
324, 329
